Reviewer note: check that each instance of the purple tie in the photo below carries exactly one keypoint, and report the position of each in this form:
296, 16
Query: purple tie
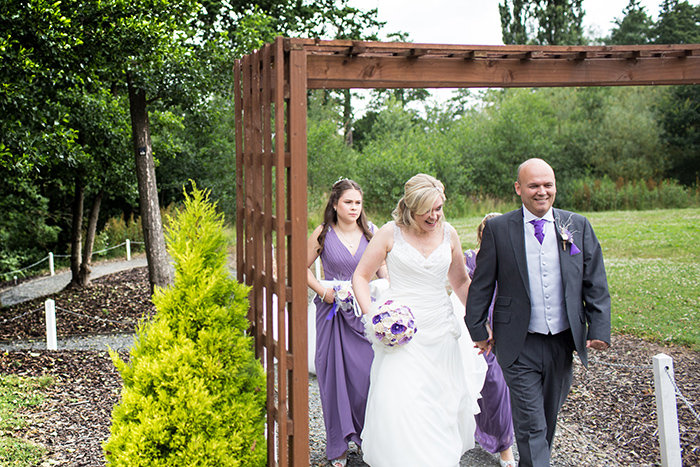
539, 229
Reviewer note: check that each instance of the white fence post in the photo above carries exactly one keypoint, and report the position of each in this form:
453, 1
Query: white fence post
50, 307
51, 264
666, 411
128, 250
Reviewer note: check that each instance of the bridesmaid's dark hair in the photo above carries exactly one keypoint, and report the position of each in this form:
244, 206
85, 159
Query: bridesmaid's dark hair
330, 216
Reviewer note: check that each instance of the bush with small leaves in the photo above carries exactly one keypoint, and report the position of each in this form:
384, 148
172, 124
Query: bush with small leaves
193, 394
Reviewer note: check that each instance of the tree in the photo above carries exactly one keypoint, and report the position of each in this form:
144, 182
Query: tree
166, 56
634, 28
194, 393
678, 23
63, 128
337, 20
543, 22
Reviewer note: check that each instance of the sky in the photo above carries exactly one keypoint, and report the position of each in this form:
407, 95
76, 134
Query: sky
472, 22
477, 22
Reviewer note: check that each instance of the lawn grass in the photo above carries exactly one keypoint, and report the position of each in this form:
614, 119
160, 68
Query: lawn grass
652, 259
17, 393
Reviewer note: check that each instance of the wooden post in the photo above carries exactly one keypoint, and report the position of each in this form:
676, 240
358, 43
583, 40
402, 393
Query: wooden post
51, 264
298, 330
50, 309
128, 250
666, 411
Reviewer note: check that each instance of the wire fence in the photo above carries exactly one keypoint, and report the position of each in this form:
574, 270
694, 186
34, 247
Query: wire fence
96, 318
51, 256
667, 372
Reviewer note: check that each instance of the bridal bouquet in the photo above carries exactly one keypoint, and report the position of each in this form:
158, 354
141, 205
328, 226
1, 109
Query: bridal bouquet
393, 324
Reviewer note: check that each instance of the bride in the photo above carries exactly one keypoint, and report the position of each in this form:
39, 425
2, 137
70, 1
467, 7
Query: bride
422, 397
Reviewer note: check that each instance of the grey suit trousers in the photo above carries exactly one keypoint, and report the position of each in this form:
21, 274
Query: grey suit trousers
539, 381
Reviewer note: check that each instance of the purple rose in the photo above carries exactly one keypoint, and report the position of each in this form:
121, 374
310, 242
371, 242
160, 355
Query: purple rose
397, 328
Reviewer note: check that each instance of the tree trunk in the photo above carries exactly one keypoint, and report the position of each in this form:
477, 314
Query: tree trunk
347, 116
76, 229
158, 265
84, 275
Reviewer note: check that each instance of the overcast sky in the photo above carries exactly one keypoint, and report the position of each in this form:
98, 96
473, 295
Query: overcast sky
476, 22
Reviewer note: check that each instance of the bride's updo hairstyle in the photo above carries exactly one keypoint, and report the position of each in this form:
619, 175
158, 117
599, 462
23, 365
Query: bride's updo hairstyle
330, 216
420, 193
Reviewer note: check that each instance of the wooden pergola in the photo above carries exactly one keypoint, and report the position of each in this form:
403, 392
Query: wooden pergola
270, 97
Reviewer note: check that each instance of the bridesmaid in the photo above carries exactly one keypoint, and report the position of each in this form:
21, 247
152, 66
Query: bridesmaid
494, 425
343, 354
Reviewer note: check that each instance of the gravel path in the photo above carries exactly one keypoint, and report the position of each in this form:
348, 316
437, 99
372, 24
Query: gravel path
574, 448
52, 284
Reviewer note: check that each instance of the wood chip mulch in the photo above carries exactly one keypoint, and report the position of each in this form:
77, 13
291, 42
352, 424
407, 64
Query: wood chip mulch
111, 303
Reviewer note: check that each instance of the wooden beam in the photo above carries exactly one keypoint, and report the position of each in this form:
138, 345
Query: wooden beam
341, 72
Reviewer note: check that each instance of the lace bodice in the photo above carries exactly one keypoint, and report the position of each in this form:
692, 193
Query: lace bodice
419, 282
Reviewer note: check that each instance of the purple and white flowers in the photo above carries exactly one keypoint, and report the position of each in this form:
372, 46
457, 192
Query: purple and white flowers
343, 292
393, 324
567, 237
344, 298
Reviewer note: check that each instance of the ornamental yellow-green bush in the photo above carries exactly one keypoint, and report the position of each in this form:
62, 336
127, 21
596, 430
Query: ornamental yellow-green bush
193, 394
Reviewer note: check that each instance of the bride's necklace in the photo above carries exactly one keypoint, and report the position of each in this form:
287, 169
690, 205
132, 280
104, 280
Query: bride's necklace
421, 242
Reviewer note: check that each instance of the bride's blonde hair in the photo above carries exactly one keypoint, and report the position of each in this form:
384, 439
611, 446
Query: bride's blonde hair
420, 193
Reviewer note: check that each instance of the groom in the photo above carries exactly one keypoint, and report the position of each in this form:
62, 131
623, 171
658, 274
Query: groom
552, 299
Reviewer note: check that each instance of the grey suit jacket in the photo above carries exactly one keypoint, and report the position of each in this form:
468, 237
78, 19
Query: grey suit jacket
502, 259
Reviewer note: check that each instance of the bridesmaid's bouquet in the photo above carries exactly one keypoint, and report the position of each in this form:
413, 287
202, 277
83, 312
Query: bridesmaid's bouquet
393, 324
343, 294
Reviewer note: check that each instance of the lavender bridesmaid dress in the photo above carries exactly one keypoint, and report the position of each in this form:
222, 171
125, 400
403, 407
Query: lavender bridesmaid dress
343, 354
494, 425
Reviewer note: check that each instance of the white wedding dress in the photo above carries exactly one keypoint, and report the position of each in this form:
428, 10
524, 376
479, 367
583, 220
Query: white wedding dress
422, 396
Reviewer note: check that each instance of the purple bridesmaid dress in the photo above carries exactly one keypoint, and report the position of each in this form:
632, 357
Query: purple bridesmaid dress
494, 425
343, 354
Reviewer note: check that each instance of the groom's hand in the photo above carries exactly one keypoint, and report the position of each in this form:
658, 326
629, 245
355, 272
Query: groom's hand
484, 346
597, 344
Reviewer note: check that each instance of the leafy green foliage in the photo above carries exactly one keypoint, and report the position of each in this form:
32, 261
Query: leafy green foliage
193, 394
680, 118
605, 195
544, 22
635, 27
329, 158
25, 233
678, 23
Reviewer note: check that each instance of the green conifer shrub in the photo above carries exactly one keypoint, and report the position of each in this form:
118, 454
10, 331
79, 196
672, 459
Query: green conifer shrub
193, 393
